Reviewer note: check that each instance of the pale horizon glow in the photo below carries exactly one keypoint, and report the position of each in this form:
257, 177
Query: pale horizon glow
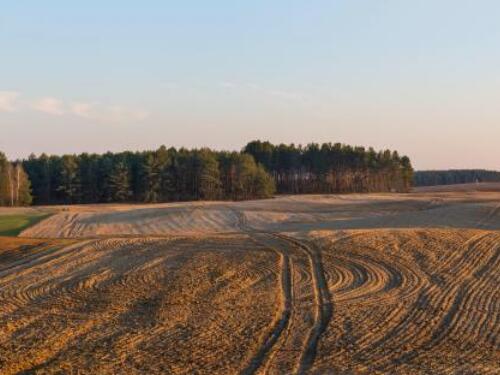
420, 77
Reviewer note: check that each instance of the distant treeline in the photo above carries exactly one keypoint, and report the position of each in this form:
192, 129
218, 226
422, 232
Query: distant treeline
332, 168
454, 176
164, 175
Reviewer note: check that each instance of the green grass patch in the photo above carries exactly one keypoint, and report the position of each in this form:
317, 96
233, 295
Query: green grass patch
12, 225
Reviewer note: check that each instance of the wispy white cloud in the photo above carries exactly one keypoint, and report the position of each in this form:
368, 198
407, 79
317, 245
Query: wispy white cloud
8, 101
102, 113
81, 109
49, 105
92, 111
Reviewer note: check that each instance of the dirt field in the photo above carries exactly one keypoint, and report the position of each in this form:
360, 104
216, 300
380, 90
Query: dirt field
430, 209
350, 284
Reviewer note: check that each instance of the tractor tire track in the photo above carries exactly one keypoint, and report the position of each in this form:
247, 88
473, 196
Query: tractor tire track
323, 309
281, 324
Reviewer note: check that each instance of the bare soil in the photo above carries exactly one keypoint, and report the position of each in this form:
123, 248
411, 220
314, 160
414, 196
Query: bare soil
350, 284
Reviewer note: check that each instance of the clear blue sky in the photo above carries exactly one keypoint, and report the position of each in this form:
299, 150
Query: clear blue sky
422, 77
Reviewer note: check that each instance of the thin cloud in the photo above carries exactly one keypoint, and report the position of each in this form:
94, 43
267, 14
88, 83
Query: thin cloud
91, 111
49, 105
81, 109
8, 101
101, 113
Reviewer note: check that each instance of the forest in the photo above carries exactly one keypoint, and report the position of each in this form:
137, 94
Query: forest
455, 176
332, 168
166, 175
162, 175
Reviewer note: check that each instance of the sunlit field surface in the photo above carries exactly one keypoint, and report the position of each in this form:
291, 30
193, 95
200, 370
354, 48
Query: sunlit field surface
346, 284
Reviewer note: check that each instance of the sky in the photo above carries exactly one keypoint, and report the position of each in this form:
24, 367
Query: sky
418, 76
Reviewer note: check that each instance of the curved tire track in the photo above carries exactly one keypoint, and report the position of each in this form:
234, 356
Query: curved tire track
323, 309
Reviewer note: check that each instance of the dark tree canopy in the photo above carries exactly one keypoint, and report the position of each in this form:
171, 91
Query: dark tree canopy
161, 175
455, 176
332, 168
164, 175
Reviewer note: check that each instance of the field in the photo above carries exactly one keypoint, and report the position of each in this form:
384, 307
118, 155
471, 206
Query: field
346, 284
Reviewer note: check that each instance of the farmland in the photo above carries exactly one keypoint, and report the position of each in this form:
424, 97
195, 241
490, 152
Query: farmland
359, 283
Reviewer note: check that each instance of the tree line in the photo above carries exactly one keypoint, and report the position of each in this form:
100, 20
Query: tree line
455, 176
165, 175
332, 168
161, 175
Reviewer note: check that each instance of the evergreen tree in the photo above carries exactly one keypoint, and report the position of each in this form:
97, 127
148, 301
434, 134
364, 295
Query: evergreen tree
208, 175
104, 170
151, 175
455, 176
69, 186
89, 178
39, 172
331, 168
119, 183
172, 175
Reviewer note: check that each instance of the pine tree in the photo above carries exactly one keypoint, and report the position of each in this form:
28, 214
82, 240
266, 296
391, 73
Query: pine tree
151, 175
173, 175
69, 186
119, 183
208, 179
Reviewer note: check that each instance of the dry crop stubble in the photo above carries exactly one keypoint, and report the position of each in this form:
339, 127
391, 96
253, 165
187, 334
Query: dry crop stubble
302, 284
139, 305
429, 317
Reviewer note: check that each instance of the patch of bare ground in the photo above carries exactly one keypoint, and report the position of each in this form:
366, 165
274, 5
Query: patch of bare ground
411, 302
456, 209
349, 284
177, 306
382, 301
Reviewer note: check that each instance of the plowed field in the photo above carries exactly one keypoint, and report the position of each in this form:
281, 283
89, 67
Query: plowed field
353, 284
